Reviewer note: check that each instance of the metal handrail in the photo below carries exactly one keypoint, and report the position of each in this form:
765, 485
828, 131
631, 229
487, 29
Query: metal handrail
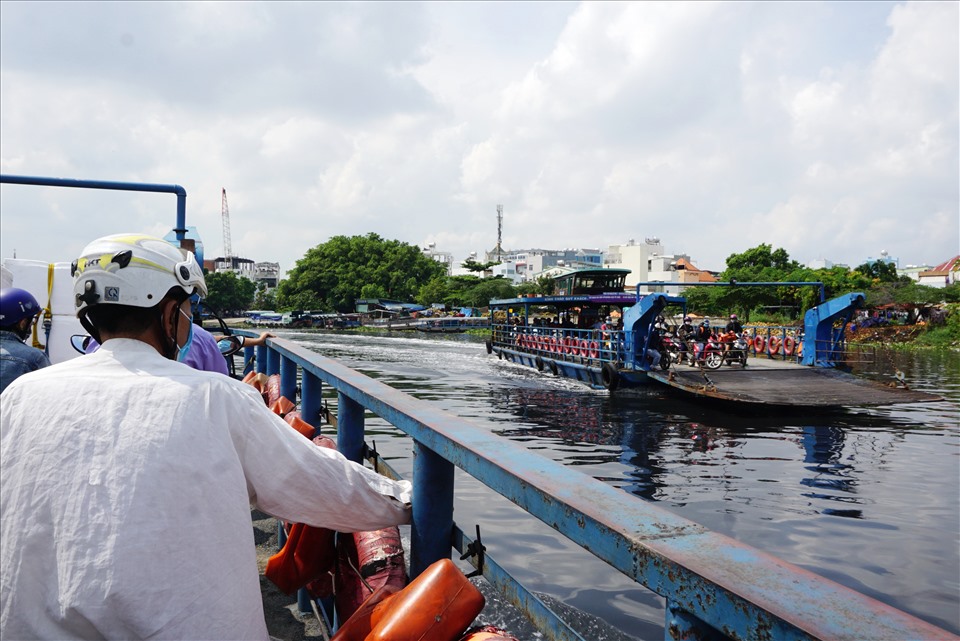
712, 583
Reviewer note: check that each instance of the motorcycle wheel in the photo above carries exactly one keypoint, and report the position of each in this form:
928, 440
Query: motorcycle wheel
713, 360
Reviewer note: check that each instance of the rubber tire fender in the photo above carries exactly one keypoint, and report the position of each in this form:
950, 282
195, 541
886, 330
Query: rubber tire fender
539, 364
610, 377
489, 347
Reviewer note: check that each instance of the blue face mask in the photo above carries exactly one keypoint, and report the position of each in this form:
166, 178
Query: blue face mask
183, 351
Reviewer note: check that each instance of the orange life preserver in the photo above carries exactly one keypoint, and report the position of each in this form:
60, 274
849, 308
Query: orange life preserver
799, 349
555, 345
748, 340
759, 343
773, 344
282, 406
594, 349
574, 346
788, 345
566, 345
439, 604
584, 347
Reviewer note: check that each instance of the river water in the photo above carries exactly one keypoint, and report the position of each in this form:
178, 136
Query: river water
867, 498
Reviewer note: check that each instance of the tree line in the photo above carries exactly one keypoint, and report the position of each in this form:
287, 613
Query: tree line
333, 275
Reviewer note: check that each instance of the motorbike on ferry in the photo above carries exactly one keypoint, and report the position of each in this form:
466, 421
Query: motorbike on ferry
674, 351
710, 355
735, 348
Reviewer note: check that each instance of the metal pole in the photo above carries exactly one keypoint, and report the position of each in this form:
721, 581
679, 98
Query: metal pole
311, 401
288, 379
432, 521
349, 427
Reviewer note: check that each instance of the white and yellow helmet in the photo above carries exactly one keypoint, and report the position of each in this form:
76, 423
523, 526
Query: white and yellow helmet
132, 269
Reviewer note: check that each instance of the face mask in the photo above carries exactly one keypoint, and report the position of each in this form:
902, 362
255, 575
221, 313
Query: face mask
183, 351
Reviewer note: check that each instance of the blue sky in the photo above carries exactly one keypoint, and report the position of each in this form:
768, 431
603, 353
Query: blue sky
828, 129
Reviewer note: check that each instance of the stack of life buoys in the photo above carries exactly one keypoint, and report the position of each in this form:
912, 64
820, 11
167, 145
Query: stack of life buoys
365, 571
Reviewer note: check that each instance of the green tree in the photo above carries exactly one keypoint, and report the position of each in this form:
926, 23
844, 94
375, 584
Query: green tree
333, 274
473, 266
227, 292
264, 299
879, 271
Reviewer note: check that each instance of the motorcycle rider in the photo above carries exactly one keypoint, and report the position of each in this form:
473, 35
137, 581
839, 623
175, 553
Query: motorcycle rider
731, 331
701, 337
734, 325
685, 333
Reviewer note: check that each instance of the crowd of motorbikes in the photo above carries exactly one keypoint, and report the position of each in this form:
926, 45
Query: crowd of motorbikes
726, 347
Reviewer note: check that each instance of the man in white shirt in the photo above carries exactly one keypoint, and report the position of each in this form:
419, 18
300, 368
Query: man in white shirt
128, 477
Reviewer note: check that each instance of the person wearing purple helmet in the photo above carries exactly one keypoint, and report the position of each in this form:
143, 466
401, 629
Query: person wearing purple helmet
18, 312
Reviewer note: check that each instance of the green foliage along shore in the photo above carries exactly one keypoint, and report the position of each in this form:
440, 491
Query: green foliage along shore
334, 274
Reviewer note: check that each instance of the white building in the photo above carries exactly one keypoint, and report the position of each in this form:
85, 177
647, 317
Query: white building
637, 258
444, 258
946, 273
529, 264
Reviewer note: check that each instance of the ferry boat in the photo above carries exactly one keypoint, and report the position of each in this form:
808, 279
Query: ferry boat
575, 333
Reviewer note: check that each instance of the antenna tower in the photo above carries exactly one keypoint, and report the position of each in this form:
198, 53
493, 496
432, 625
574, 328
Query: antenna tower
499, 231
225, 212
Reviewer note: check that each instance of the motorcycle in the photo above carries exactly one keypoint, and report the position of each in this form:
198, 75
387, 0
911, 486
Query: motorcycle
673, 351
735, 348
710, 355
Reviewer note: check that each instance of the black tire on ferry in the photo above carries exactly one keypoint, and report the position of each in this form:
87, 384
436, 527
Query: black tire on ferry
610, 377
539, 363
489, 347
554, 369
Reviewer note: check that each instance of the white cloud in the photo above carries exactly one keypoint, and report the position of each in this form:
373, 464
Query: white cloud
829, 129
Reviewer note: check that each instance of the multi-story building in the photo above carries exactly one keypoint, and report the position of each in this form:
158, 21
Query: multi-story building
528, 264
444, 258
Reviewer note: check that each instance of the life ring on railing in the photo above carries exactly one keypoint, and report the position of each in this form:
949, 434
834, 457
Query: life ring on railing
574, 346
584, 347
555, 345
773, 344
594, 349
566, 344
758, 344
788, 345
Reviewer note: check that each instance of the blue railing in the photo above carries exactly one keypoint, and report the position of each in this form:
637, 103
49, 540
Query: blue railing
713, 585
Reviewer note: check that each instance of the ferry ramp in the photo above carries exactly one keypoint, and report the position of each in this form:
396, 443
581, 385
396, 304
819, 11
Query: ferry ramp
776, 384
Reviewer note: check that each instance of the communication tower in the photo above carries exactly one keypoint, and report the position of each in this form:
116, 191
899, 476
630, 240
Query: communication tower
225, 212
499, 231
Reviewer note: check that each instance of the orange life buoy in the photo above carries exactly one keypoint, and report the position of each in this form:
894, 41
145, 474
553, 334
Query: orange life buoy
759, 343
788, 345
439, 604
566, 344
799, 349
584, 347
748, 340
594, 349
773, 344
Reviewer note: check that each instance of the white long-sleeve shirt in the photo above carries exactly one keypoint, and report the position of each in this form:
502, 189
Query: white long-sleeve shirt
125, 495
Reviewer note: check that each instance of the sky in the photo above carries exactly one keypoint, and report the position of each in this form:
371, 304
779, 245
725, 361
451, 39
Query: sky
827, 129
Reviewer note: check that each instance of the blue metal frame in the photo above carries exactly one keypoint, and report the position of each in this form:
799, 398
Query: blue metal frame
713, 584
180, 229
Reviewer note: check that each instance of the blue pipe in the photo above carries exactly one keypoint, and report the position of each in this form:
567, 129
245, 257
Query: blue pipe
181, 193
734, 283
